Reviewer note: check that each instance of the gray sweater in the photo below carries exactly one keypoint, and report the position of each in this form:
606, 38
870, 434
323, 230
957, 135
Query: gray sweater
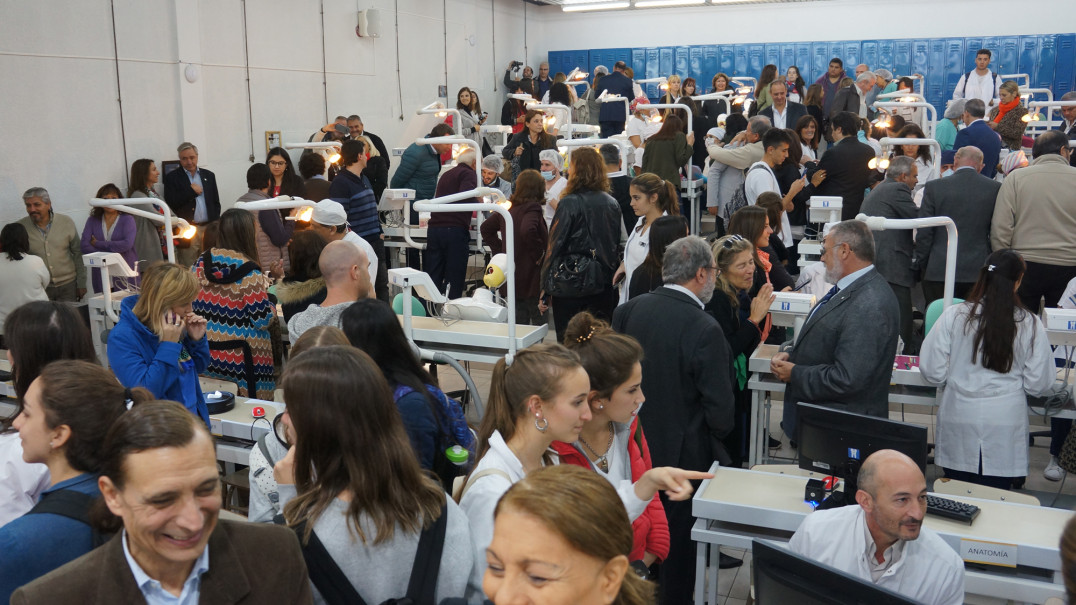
315, 315
382, 572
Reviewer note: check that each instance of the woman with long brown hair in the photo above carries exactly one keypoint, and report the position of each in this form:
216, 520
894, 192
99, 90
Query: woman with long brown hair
762, 90
368, 504
577, 272
109, 230
523, 148
149, 236
668, 150
651, 198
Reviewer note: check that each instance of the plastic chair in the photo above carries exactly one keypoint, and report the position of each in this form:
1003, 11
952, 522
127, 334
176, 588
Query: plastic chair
934, 311
417, 310
952, 487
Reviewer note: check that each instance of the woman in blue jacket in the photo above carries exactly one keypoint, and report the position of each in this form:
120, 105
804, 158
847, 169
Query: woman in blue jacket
159, 342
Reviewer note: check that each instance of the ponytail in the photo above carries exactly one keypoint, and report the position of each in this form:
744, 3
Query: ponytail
994, 304
651, 184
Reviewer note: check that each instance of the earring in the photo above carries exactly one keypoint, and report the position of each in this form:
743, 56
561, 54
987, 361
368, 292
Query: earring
601, 406
541, 427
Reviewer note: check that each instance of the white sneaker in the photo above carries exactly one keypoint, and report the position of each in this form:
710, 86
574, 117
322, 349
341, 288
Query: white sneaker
1053, 472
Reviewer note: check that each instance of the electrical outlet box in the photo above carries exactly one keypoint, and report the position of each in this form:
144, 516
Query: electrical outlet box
825, 209
1060, 319
792, 302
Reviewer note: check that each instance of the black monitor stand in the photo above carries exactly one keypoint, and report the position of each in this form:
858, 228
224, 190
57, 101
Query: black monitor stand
849, 471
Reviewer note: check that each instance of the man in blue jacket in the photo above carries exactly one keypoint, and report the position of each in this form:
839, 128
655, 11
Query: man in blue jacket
419, 167
979, 134
612, 116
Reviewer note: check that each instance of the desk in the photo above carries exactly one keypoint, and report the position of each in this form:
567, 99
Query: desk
238, 423
738, 505
465, 340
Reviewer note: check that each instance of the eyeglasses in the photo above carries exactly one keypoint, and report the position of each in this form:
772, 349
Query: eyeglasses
731, 240
280, 163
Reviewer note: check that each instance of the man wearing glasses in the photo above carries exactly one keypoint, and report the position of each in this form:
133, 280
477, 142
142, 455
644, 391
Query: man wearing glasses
191, 193
843, 356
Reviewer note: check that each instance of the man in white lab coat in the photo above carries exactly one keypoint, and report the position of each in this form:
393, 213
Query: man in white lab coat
882, 539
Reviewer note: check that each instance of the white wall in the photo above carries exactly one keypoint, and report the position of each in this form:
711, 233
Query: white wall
799, 21
61, 119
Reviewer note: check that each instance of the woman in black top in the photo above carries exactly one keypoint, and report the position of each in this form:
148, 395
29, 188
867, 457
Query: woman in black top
663, 232
744, 320
286, 181
753, 224
715, 107
523, 148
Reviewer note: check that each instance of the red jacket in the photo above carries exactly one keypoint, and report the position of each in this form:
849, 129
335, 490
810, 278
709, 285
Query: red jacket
651, 529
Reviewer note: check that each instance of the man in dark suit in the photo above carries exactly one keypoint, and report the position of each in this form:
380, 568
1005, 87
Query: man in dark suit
843, 356
844, 164
612, 116
852, 98
191, 193
968, 198
782, 113
893, 248
979, 134
163, 485
356, 130
1068, 125
687, 375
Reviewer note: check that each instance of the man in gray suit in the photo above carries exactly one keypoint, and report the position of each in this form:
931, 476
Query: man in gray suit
843, 357
968, 198
893, 247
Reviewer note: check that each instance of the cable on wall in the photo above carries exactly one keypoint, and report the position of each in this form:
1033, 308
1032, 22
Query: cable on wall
444, 12
526, 49
324, 75
246, 67
493, 38
119, 90
399, 77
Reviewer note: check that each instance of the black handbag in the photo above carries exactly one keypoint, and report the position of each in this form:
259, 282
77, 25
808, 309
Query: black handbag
577, 275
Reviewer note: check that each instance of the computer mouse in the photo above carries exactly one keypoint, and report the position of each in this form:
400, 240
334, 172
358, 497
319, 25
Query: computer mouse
258, 412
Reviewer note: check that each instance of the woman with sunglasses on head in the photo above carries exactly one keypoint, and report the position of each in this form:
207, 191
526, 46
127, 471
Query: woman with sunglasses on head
744, 319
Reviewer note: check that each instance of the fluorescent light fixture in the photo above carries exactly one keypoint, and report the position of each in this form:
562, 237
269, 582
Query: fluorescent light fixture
655, 3
571, 8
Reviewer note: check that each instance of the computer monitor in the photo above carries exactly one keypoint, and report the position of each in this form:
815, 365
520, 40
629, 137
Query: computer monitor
782, 576
836, 443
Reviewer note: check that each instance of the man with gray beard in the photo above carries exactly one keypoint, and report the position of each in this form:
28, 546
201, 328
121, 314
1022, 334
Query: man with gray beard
843, 356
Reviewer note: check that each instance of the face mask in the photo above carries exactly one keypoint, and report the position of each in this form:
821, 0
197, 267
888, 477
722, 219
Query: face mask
547, 175
948, 172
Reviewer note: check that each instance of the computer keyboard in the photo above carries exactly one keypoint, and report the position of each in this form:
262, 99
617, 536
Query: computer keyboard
951, 509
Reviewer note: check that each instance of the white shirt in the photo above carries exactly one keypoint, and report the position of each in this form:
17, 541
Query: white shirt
617, 456
155, 594
808, 153
371, 256
552, 195
986, 87
925, 175
635, 251
23, 281
926, 570
780, 117
983, 412
21, 483
759, 181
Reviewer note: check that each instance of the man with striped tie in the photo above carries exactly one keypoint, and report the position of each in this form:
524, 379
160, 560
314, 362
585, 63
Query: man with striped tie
843, 357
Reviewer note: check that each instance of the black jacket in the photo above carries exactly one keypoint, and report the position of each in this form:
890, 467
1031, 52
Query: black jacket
847, 174
586, 223
529, 158
182, 199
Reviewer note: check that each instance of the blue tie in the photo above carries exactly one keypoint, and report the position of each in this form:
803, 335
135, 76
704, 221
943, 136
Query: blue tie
825, 299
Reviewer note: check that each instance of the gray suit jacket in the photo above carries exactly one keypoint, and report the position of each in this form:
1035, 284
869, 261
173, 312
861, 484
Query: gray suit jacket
893, 247
968, 198
844, 354
847, 99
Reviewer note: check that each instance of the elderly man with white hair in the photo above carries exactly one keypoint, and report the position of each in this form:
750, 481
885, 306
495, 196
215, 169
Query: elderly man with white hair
492, 168
448, 237
551, 165
854, 98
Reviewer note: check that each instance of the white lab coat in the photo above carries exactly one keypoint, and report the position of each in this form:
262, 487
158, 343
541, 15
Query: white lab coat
635, 251
928, 570
982, 411
481, 498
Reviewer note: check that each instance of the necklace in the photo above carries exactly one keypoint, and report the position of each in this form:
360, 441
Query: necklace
603, 461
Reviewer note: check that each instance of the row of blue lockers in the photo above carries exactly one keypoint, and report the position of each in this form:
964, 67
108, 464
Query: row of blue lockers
1048, 59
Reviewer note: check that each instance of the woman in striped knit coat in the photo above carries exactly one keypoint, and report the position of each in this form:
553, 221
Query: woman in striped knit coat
235, 303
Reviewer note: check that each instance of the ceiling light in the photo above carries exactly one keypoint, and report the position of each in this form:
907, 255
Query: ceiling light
594, 7
654, 3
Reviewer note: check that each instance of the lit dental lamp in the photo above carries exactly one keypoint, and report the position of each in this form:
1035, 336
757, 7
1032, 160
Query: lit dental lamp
304, 214
549, 121
576, 75
743, 90
186, 230
1029, 117
878, 163
883, 120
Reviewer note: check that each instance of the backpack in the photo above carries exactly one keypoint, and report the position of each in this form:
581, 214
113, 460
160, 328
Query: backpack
967, 76
739, 199
73, 505
452, 426
335, 587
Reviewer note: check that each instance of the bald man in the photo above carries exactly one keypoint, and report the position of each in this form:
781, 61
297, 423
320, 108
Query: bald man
343, 265
882, 539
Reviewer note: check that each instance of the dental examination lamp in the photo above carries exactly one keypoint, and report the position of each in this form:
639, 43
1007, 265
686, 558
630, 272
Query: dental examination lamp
330, 150
186, 230
932, 113
880, 223
283, 202
1026, 83
622, 143
527, 99
1049, 105
452, 140
887, 142
438, 109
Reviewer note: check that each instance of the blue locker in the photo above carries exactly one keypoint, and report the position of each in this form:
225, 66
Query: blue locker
850, 56
885, 55
936, 74
954, 64
1029, 55
680, 59
621, 54
596, 58
556, 58
994, 46
694, 67
971, 47
1009, 56
773, 56
836, 49
1064, 69
819, 59
788, 57
1044, 74
638, 59
741, 67
709, 67
902, 57
580, 59
803, 62
756, 55
653, 68
869, 54
666, 64
920, 57
726, 59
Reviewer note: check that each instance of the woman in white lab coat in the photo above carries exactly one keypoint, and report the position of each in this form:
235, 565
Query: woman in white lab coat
989, 353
